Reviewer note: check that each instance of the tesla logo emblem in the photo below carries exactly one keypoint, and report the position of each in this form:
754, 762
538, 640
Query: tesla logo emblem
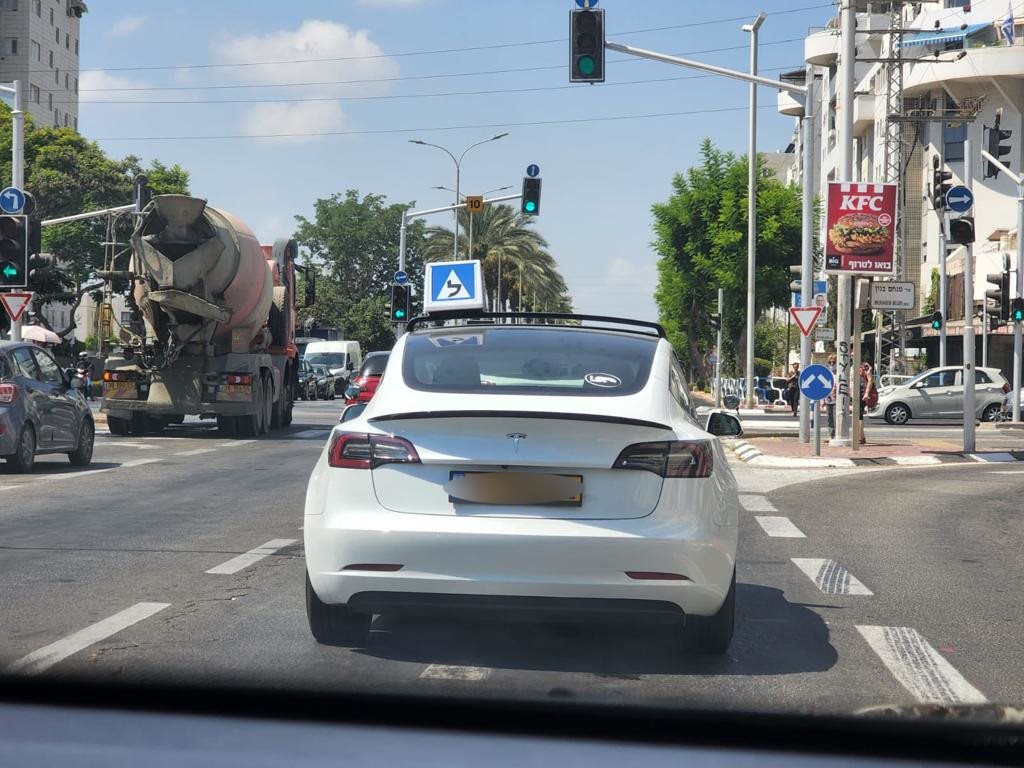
515, 437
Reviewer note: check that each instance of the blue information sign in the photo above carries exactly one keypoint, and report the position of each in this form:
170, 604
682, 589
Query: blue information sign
533, 170
960, 199
12, 200
816, 382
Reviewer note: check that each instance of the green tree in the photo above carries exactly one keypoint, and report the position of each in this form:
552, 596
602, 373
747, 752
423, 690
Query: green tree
701, 238
932, 300
353, 242
503, 240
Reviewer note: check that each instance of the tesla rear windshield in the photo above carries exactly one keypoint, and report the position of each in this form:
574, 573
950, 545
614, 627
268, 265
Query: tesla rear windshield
374, 365
536, 361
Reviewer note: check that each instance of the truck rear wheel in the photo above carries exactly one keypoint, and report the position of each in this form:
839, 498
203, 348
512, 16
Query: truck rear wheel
226, 425
118, 426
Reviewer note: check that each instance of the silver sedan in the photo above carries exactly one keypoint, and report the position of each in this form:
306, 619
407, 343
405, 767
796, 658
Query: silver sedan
938, 393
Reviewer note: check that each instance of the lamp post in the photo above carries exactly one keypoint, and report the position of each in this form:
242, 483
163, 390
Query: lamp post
458, 171
752, 207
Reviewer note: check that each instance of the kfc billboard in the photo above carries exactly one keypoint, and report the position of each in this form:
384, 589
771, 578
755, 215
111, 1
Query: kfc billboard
861, 229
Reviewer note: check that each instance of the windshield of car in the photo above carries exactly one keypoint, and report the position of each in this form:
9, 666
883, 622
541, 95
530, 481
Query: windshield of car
535, 361
374, 365
330, 359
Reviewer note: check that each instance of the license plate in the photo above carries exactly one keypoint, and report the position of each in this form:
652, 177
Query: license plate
519, 489
235, 392
120, 390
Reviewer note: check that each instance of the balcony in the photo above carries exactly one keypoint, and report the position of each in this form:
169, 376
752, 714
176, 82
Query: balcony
790, 103
863, 111
980, 64
822, 48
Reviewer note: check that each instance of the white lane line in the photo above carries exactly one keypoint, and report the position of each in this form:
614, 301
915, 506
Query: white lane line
140, 446
71, 475
235, 564
311, 433
450, 672
918, 667
140, 462
195, 452
235, 443
779, 527
830, 577
917, 461
44, 658
756, 502
990, 472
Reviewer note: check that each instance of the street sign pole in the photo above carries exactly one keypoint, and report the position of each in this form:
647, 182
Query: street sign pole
816, 383
718, 353
807, 285
968, 374
943, 289
17, 160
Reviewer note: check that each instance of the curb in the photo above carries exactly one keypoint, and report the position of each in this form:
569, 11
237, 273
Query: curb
752, 455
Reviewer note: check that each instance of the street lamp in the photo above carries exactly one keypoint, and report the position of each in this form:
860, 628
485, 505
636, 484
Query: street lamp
461, 198
458, 170
752, 207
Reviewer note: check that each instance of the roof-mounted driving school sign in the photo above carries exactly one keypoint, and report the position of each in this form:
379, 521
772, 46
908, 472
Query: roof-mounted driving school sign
452, 285
860, 229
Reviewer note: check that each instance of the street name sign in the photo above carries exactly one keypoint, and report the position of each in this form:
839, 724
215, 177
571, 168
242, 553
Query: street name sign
959, 199
805, 318
816, 382
452, 285
889, 296
474, 203
860, 229
12, 200
16, 303
824, 334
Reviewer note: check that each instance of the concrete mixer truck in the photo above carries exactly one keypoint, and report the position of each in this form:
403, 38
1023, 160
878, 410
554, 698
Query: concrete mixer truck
214, 330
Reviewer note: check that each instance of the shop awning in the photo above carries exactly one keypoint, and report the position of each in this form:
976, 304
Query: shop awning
943, 36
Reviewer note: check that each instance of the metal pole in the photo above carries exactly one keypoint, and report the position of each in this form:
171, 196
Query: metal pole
943, 289
817, 428
752, 210
470, 252
984, 333
500, 307
401, 258
807, 242
968, 371
848, 30
455, 232
17, 166
858, 426
1018, 328
718, 352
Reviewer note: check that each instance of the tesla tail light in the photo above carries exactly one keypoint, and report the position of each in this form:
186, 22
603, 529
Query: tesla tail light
355, 450
676, 458
7, 393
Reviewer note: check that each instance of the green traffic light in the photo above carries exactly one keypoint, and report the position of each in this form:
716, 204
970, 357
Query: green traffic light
10, 271
399, 314
586, 65
529, 206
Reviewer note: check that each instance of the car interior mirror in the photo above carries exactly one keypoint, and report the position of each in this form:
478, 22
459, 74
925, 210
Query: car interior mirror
351, 412
722, 424
732, 402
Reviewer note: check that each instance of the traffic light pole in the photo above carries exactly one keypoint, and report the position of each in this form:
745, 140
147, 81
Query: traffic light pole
17, 160
968, 371
943, 289
1018, 328
718, 352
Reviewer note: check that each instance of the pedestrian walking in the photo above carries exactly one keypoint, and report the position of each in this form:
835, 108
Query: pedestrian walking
793, 388
868, 395
830, 401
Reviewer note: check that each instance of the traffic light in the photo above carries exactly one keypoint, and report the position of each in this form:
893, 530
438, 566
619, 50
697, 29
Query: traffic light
531, 196
14, 249
399, 303
1001, 293
1017, 310
961, 231
795, 286
942, 182
996, 148
586, 39
936, 321
715, 321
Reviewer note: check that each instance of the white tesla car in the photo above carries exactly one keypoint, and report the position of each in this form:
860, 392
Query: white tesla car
551, 470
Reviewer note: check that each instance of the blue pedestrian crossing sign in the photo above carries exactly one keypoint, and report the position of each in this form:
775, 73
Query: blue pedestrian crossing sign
452, 285
816, 382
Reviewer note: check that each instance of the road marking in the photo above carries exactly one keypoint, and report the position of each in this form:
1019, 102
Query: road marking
235, 443
916, 461
992, 457
311, 433
71, 475
44, 658
830, 577
195, 452
918, 667
235, 564
140, 446
756, 502
451, 672
140, 462
990, 472
779, 527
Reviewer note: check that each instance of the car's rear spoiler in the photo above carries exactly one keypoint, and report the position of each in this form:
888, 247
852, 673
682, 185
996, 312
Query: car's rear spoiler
491, 414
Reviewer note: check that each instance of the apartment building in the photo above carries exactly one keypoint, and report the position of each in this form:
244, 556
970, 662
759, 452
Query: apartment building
39, 45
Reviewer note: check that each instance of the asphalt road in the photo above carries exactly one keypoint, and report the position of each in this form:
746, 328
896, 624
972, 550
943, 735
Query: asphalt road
856, 587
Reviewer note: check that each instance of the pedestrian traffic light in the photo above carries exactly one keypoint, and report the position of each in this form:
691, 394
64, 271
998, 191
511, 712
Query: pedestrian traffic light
942, 182
996, 148
586, 39
14, 249
531, 195
961, 231
1017, 310
399, 303
936, 321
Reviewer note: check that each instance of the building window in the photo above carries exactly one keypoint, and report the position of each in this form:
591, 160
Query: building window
51, 17
50, 97
9, 5
56, 76
65, 119
953, 135
76, 85
37, 6
67, 42
33, 91
56, 118
12, 46
76, 123
957, 3
51, 58
76, 46
37, 51
67, 82
56, 36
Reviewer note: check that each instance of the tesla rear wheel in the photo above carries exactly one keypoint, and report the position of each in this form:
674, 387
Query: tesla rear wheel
334, 624
713, 634
897, 414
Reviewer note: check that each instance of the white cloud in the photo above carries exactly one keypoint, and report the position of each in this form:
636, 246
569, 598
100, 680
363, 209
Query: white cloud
99, 85
127, 25
325, 53
305, 117
626, 274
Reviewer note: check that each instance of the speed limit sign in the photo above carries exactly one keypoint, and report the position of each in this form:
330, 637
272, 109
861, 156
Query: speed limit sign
474, 203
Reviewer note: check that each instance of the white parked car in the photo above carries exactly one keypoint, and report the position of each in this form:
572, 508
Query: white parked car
551, 470
938, 393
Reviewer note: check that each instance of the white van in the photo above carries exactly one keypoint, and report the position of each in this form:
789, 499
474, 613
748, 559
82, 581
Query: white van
340, 357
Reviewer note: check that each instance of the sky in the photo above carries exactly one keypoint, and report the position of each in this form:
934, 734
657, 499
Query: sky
601, 173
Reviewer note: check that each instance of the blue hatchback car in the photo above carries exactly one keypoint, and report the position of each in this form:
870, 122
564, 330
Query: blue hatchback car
42, 410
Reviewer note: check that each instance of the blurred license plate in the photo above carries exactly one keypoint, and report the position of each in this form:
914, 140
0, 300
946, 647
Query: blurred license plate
519, 489
120, 390
235, 392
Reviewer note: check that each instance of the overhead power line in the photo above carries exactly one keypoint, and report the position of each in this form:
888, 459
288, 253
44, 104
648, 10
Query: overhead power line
432, 129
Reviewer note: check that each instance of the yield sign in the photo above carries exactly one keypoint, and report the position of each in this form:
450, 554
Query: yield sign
15, 303
805, 318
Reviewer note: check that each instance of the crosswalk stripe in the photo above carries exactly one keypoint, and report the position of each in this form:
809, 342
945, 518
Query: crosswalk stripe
779, 527
235, 564
756, 502
830, 577
451, 672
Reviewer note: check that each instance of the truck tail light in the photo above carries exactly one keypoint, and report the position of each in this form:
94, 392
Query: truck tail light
356, 450
121, 376
238, 378
7, 393
675, 458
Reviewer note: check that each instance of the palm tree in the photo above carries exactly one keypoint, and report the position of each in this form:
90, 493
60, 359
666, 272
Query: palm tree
502, 240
